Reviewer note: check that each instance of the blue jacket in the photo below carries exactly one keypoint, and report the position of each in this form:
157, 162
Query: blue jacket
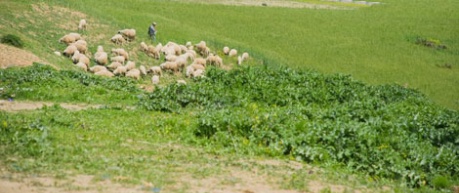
151, 30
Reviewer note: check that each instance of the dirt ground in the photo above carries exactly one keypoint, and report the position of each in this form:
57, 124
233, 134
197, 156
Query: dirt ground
13, 106
12, 56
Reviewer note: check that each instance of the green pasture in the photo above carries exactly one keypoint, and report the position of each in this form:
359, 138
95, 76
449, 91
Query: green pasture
351, 91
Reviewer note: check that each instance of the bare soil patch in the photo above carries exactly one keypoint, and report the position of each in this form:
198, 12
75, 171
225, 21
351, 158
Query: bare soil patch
269, 3
14, 106
11, 56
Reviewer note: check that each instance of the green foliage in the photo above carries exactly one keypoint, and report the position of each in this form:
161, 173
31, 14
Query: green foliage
385, 131
13, 40
25, 138
441, 182
42, 82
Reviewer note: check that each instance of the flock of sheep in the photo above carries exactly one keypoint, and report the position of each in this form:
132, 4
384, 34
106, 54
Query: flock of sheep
190, 59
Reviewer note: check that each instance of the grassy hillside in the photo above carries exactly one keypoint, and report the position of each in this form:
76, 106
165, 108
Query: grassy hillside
379, 137
375, 44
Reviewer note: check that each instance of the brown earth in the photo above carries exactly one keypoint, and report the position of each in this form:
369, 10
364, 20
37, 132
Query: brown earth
11, 56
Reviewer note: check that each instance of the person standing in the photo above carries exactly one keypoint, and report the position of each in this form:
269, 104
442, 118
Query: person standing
152, 31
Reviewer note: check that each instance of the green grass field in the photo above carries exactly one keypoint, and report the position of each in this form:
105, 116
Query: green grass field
391, 126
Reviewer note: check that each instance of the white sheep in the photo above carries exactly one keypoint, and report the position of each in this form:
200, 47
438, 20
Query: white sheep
226, 50
133, 73
101, 57
78, 57
130, 65
114, 65
128, 34
155, 70
120, 52
189, 71
119, 59
155, 79
169, 66
118, 39
143, 70
198, 66
200, 61
239, 60
232, 52
81, 45
121, 70
198, 73
245, 56
82, 25
77, 36
67, 39
150, 50
98, 68
105, 73
82, 66
70, 50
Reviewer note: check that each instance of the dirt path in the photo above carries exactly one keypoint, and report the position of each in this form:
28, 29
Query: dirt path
14, 106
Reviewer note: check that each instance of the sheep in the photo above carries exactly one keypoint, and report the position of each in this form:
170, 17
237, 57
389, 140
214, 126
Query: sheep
201, 45
191, 54
170, 58
97, 68
120, 52
143, 46
226, 50
133, 73
119, 59
198, 73
82, 46
82, 66
155, 79
67, 39
201, 61
169, 66
77, 36
114, 65
245, 56
214, 60
130, 65
143, 70
155, 70
239, 60
70, 50
105, 73
82, 25
100, 56
198, 66
78, 57
118, 39
128, 34
121, 70
232, 52
189, 71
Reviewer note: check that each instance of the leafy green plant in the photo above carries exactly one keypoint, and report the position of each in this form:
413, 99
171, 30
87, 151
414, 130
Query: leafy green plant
13, 40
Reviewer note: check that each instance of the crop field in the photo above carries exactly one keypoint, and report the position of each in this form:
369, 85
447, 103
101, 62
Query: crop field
336, 97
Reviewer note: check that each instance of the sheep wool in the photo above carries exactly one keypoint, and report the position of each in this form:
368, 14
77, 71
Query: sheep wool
114, 65
118, 39
82, 65
232, 52
121, 70
226, 50
245, 56
70, 50
155, 79
128, 34
121, 52
67, 39
82, 25
156, 70
130, 65
143, 70
133, 73
98, 68
119, 59
105, 73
